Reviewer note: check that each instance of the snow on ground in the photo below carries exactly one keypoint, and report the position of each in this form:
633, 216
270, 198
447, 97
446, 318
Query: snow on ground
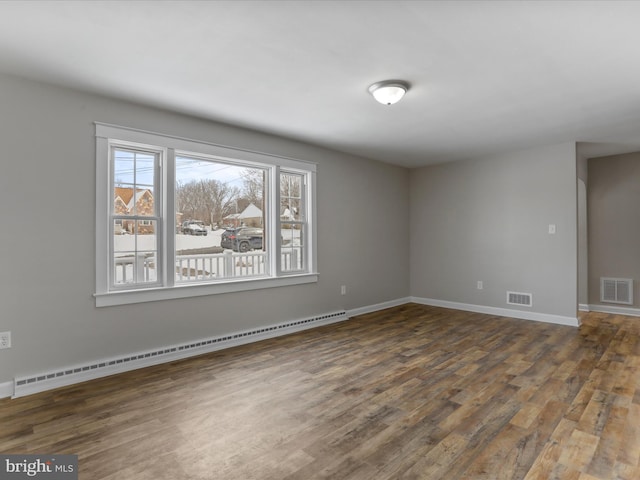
199, 268
126, 243
187, 242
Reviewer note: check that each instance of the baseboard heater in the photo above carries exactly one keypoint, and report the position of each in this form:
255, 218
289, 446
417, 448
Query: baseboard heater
80, 373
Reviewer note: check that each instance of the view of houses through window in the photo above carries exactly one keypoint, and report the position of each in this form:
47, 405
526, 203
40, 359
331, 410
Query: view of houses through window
222, 229
220, 207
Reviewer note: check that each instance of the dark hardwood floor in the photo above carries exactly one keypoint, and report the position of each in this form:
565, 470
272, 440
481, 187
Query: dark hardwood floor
412, 392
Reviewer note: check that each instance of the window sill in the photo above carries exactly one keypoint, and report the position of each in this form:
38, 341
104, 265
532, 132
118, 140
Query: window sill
126, 297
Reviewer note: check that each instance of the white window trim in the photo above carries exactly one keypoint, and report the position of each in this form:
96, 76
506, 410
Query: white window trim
308, 215
106, 297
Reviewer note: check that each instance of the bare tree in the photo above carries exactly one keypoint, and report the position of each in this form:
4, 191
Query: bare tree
187, 199
290, 189
206, 200
253, 186
218, 199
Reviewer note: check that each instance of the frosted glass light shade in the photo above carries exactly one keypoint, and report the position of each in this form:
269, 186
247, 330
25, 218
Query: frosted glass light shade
388, 92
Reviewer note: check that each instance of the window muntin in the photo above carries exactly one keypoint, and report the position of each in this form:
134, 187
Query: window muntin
151, 252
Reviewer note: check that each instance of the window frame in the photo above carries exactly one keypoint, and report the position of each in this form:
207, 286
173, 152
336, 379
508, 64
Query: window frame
168, 147
139, 220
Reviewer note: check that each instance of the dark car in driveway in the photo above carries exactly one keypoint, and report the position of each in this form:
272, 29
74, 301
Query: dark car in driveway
242, 239
228, 237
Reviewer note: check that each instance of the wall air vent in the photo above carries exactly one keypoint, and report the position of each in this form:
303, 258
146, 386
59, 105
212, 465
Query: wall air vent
519, 298
616, 290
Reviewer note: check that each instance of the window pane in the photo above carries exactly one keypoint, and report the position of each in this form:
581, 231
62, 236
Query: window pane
292, 249
292, 216
123, 167
144, 202
133, 191
291, 190
220, 219
145, 164
135, 252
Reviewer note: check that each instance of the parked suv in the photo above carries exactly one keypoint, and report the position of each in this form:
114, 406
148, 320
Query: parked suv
242, 239
194, 227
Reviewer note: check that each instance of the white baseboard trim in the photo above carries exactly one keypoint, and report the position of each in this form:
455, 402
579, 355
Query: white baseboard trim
633, 312
583, 307
62, 377
6, 389
503, 312
379, 306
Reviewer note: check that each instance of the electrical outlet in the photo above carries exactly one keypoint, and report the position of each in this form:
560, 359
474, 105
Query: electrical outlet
5, 340
480, 286
343, 290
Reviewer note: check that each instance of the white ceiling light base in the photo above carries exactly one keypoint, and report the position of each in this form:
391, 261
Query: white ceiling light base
389, 92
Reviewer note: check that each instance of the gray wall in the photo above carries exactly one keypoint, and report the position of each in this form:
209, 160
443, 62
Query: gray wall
613, 198
487, 219
47, 206
583, 245
583, 238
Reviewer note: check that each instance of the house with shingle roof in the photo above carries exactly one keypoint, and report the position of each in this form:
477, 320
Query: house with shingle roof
250, 216
130, 202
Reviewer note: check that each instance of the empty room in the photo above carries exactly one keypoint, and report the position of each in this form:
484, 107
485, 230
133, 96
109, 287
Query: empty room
298, 240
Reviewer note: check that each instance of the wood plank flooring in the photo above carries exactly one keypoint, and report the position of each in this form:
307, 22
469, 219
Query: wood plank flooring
413, 392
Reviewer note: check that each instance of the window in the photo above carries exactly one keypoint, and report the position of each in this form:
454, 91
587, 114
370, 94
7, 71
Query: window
293, 226
134, 251
179, 218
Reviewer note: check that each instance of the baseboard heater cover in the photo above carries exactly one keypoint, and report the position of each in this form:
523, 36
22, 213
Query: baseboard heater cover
71, 375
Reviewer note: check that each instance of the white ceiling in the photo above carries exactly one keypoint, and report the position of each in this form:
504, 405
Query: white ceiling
486, 76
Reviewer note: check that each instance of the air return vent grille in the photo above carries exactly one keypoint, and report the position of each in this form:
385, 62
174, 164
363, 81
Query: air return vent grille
519, 298
616, 290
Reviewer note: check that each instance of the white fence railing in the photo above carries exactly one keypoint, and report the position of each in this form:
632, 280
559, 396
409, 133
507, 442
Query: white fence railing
139, 266
191, 268
197, 268
291, 259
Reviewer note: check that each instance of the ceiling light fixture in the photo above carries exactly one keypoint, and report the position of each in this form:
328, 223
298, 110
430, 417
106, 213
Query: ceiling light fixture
389, 92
